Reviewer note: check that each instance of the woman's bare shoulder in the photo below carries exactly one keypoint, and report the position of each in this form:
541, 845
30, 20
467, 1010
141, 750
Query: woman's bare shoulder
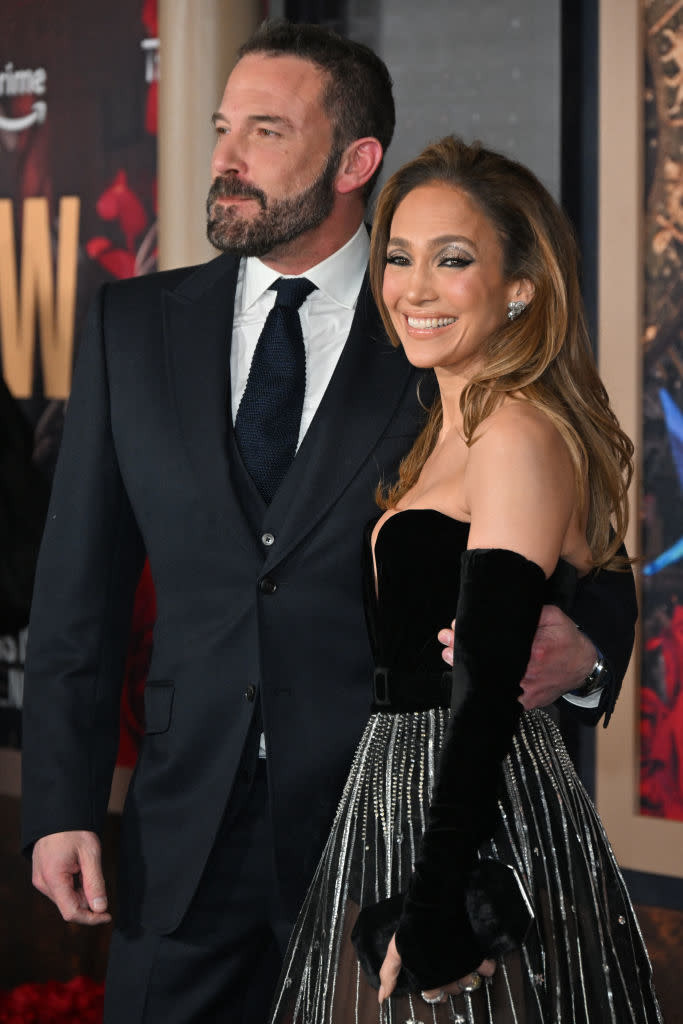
519, 484
524, 427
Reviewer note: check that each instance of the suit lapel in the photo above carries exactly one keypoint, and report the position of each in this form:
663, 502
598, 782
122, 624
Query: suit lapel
198, 330
366, 388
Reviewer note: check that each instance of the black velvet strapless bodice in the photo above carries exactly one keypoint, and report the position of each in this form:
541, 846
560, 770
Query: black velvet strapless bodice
417, 554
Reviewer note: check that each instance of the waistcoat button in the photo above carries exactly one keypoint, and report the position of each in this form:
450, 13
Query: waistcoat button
250, 692
267, 585
267, 539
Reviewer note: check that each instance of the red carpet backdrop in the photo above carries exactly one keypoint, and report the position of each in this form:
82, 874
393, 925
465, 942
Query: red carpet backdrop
78, 121
661, 779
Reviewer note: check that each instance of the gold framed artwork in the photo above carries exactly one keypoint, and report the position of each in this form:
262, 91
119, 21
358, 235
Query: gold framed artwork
639, 783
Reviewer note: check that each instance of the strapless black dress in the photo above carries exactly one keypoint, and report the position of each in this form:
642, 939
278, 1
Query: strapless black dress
583, 959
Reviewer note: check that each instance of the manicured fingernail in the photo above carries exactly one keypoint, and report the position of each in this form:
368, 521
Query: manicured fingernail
381, 994
99, 903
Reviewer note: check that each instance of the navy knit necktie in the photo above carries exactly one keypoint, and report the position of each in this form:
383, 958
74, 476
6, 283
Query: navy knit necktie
269, 416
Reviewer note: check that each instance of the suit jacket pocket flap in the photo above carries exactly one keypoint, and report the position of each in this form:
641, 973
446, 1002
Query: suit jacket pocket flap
158, 706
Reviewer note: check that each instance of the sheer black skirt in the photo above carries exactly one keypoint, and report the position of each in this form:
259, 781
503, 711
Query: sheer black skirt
584, 959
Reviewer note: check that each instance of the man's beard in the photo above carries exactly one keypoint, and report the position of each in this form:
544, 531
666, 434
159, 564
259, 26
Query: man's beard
280, 220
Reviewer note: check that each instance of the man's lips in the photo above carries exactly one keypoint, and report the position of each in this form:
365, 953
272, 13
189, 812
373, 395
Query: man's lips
229, 200
222, 204
224, 194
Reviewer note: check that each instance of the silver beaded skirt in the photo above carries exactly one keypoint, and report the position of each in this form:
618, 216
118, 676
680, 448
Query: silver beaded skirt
584, 958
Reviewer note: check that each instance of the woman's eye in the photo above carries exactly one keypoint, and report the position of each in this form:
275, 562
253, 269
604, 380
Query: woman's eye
456, 261
396, 259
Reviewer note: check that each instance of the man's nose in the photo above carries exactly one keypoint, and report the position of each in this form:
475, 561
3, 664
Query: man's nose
228, 155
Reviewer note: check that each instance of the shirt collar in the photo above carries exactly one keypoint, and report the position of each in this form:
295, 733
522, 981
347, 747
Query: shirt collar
340, 276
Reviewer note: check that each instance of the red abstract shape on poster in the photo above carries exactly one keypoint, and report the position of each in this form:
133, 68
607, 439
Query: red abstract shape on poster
118, 202
150, 17
661, 726
28, 148
118, 262
151, 22
151, 108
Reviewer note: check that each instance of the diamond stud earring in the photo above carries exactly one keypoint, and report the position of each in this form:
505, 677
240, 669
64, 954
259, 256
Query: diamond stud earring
515, 309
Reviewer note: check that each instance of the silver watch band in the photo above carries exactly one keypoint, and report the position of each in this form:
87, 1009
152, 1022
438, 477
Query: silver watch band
596, 678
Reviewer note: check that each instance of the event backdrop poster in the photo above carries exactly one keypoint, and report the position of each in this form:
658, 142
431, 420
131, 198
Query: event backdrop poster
78, 105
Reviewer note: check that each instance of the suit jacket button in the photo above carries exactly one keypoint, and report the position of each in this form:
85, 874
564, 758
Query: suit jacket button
267, 585
267, 539
250, 692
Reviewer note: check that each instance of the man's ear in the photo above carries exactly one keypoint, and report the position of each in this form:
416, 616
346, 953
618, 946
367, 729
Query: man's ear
359, 162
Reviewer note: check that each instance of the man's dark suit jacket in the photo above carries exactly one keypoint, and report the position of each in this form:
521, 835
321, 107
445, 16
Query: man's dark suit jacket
144, 470
24, 493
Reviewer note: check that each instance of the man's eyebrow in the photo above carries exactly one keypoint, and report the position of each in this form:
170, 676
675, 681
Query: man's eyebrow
273, 119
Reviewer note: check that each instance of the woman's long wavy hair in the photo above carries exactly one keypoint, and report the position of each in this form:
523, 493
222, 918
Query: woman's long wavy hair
544, 355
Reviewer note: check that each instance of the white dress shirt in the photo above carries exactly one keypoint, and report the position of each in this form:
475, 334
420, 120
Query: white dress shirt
326, 316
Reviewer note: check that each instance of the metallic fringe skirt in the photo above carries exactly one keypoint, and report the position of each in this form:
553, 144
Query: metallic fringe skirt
584, 958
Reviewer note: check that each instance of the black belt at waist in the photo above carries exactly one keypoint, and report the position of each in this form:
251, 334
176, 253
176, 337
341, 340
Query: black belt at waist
393, 690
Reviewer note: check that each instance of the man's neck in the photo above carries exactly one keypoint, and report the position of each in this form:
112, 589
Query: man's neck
311, 248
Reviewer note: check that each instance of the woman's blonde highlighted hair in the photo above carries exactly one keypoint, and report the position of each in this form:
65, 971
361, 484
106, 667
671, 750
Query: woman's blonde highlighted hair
544, 355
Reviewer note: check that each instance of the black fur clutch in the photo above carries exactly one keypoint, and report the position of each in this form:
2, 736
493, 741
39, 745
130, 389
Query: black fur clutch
498, 912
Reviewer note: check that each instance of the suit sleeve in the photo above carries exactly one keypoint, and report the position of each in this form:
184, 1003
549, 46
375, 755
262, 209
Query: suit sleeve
23, 506
90, 559
606, 609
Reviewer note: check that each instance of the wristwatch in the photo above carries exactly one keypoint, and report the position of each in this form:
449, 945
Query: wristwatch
596, 678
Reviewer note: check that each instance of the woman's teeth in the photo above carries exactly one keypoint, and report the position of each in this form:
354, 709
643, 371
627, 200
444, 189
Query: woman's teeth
423, 324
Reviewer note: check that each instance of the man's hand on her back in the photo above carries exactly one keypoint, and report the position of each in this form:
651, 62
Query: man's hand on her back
561, 658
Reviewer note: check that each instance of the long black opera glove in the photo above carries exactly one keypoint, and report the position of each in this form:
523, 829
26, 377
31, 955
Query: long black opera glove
457, 909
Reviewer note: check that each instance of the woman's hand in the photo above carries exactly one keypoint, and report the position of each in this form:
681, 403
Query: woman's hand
391, 967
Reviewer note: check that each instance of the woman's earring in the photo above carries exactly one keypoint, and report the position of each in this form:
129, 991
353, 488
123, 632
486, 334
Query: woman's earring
515, 308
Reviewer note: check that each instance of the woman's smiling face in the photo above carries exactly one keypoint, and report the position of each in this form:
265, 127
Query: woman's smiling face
443, 282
